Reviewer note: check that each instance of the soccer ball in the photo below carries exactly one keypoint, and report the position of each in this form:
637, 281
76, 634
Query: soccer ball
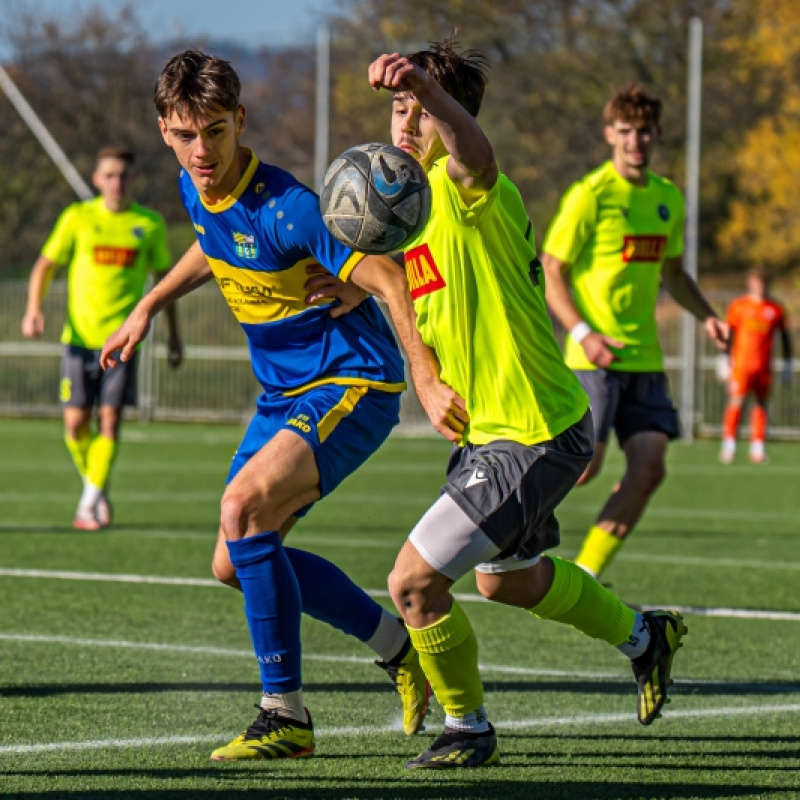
375, 198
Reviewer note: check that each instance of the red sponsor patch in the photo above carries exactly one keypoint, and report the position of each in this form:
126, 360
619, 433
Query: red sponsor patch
422, 273
114, 256
643, 248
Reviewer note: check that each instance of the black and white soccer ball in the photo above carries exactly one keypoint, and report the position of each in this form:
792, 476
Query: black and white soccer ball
375, 197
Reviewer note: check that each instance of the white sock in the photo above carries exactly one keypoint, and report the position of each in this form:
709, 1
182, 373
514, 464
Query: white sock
757, 448
475, 722
91, 494
389, 637
290, 704
638, 641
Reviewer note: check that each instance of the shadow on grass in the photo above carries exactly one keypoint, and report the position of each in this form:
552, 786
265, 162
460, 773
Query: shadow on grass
474, 786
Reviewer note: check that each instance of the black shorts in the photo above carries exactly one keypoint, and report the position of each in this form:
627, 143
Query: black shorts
630, 403
510, 490
84, 383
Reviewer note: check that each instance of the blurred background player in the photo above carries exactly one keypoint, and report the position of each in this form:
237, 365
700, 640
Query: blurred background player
331, 392
476, 285
109, 243
619, 232
754, 319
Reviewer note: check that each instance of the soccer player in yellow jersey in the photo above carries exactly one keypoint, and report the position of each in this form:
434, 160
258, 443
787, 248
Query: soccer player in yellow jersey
110, 244
525, 430
619, 233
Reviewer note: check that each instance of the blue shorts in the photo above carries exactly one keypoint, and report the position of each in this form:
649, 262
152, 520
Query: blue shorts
344, 426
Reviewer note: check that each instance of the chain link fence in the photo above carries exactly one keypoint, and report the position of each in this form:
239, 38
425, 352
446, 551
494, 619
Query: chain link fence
215, 382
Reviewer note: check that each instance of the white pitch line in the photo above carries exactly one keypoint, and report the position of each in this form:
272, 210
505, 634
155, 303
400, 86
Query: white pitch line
222, 651
106, 577
516, 724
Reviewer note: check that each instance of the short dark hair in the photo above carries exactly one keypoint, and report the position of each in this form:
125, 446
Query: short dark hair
462, 75
194, 84
632, 105
116, 151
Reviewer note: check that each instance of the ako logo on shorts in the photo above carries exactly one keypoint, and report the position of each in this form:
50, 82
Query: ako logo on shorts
422, 273
643, 248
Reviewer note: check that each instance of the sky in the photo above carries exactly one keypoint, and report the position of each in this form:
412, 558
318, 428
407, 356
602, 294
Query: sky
250, 22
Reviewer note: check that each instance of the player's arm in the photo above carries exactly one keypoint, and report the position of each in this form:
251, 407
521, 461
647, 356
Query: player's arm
786, 348
39, 282
190, 272
322, 284
687, 294
380, 276
472, 164
597, 346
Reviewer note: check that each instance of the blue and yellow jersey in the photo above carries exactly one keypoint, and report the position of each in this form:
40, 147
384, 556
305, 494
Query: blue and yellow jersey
259, 242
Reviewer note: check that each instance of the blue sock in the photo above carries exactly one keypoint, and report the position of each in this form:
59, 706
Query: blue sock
329, 596
272, 606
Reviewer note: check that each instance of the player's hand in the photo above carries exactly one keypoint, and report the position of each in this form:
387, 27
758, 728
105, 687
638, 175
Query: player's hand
322, 285
121, 345
174, 352
33, 324
445, 408
397, 73
718, 331
599, 349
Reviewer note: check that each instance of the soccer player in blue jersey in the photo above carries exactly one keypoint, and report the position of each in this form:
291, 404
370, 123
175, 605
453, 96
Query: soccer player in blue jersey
331, 394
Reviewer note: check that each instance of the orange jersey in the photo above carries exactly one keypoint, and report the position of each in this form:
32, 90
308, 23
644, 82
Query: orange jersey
754, 323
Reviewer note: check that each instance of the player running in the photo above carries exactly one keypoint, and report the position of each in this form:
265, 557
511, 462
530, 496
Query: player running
331, 391
619, 232
476, 285
754, 319
110, 244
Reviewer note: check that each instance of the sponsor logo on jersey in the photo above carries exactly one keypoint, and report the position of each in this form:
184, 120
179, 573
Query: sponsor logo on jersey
643, 248
245, 244
199, 228
231, 287
422, 273
114, 256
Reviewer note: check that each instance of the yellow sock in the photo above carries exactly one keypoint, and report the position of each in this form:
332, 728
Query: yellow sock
99, 460
598, 550
78, 449
577, 599
448, 655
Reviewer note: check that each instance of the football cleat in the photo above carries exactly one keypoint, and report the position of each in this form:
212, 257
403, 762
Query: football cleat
85, 520
411, 685
459, 749
652, 669
270, 736
103, 511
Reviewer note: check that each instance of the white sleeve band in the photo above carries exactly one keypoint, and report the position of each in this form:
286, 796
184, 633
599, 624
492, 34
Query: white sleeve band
580, 331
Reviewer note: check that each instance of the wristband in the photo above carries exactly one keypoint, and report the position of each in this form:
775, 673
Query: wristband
580, 331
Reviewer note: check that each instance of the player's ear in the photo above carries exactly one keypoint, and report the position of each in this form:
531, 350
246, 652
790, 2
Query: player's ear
241, 116
608, 131
162, 126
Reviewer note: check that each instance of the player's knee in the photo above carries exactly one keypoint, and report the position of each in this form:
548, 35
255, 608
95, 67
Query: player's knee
650, 476
411, 591
235, 513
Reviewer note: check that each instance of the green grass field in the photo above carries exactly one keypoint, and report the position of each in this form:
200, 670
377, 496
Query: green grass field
122, 664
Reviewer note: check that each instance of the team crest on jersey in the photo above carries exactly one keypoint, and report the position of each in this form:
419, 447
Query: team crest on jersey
138, 232
245, 244
663, 212
643, 248
422, 273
